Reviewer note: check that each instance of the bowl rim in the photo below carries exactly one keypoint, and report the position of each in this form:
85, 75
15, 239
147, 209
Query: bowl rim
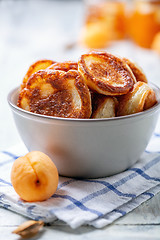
145, 112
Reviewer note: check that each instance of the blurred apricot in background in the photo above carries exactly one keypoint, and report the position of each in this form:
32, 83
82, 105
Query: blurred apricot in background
104, 22
156, 43
109, 20
144, 22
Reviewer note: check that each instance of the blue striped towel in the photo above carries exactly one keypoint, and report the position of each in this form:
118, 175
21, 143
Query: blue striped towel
96, 202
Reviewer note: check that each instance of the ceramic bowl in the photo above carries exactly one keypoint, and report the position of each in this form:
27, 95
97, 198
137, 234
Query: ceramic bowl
87, 148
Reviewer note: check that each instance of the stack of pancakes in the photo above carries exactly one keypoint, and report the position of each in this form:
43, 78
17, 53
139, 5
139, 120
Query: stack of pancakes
99, 85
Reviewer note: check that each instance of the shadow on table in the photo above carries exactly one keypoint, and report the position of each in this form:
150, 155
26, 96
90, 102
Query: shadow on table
60, 226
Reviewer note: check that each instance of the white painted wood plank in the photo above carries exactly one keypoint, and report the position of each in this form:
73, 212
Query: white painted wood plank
86, 233
9, 218
147, 213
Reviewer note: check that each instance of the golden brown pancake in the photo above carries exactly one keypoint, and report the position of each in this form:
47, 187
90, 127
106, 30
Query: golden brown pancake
56, 93
103, 106
64, 66
137, 71
106, 73
140, 98
35, 67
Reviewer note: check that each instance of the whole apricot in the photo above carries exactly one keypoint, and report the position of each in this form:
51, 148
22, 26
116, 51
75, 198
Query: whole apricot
156, 43
94, 35
34, 177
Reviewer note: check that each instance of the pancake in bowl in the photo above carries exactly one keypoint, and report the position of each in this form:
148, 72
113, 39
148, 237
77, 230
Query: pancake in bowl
64, 66
137, 70
106, 74
103, 106
140, 98
35, 67
56, 93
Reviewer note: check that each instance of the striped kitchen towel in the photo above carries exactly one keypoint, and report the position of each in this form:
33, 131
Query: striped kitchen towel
96, 202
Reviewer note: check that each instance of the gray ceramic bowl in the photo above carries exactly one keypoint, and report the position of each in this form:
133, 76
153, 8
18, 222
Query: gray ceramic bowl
87, 148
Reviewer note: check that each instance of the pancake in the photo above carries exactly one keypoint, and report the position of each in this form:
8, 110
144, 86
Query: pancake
106, 73
35, 67
140, 98
137, 70
103, 106
56, 93
64, 66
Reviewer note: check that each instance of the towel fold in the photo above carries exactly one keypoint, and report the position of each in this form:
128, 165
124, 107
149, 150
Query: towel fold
96, 202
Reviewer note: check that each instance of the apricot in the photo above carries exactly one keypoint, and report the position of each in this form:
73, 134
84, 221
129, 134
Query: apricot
94, 35
156, 43
34, 177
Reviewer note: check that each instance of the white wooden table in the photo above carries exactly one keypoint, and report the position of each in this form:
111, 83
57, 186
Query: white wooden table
32, 30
